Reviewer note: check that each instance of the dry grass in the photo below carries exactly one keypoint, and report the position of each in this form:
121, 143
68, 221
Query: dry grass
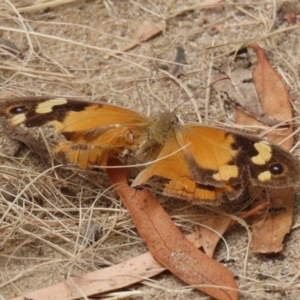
62, 51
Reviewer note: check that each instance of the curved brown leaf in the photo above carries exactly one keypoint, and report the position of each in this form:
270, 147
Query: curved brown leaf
169, 246
274, 97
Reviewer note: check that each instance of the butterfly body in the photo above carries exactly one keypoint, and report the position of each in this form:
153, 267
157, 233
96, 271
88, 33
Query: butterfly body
192, 162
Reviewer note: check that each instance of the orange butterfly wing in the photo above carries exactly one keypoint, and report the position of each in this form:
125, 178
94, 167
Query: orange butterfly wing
94, 131
200, 163
217, 156
171, 173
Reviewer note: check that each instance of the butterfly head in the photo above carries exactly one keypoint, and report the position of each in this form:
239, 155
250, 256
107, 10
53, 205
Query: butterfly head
162, 127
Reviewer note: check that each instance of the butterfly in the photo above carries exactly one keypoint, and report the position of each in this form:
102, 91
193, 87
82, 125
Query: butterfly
193, 162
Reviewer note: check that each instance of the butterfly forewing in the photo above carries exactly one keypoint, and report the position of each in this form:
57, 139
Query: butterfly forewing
69, 115
235, 159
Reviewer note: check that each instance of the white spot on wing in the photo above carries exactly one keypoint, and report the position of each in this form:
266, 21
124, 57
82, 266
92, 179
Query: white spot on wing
46, 106
226, 172
18, 119
264, 176
264, 153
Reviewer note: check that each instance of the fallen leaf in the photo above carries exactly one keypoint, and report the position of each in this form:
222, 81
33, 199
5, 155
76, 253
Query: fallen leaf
233, 83
169, 246
288, 10
107, 279
145, 31
212, 229
274, 98
269, 230
104, 280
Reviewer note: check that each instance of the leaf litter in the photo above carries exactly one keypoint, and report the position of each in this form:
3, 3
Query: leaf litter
74, 67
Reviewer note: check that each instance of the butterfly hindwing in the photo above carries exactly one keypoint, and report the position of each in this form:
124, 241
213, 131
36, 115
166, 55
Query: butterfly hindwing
171, 174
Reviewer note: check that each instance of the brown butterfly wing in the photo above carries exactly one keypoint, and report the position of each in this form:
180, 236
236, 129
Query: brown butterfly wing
94, 131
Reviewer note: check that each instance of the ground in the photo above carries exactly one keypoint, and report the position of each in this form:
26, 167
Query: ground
70, 50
